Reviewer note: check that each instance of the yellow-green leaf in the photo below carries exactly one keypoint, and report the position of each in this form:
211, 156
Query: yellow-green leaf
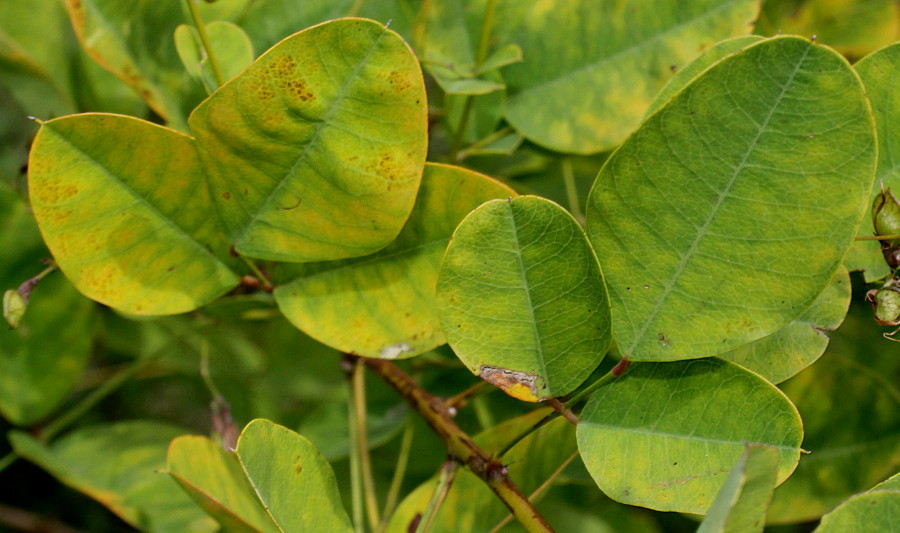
666, 435
316, 151
122, 206
346, 304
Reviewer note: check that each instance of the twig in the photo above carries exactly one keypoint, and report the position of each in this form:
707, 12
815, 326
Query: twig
460, 446
538, 492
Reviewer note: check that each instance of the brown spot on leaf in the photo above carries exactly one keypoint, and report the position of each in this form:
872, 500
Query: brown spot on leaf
520, 385
226, 195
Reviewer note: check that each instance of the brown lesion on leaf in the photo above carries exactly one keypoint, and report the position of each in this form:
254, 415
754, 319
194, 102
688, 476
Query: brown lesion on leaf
399, 81
520, 385
284, 69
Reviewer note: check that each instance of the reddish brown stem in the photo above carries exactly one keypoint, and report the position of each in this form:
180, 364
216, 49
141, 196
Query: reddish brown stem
460, 446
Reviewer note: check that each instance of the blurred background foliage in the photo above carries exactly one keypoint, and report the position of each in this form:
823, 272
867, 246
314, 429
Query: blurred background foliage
126, 368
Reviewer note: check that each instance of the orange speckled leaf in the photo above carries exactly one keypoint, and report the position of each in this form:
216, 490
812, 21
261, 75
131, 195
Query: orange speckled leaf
122, 207
316, 151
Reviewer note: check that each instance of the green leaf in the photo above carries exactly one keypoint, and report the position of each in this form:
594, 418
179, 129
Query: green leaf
117, 465
872, 512
891, 483
685, 75
851, 417
585, 89
500, 57
231, 46
522, 300
347, 304
134, 41
34, 55
291, 479
740, 506
880, 72
215, 480
122, 206
666, 435
727, 213
798, 344
269, 21
316, 151
470, 505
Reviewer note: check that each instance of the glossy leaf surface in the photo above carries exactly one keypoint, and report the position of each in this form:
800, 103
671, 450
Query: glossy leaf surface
470, 505
586, 88
700, 217
741, 504
521, 298
316, 151
339, 302
851, 418
122, 206
880, 72
798, 344
117, 465
666, 435
231, 46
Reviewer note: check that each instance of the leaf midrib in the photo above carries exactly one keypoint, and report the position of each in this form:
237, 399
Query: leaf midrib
701, 232
140, 199
265, 207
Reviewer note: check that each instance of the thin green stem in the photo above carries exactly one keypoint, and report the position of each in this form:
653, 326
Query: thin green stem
399, 471
445, 481
356, 486
108, 387
878, 237
354, 9
8, 460
484, 42
362, 447
572, 191
538, 492
204, 39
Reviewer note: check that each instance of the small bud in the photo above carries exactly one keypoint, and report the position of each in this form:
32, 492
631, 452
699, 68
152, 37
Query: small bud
886, 215
14, 305
886, 305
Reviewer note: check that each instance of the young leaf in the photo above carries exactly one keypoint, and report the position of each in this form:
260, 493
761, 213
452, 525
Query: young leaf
231, 46
741, 504
851, 419
665, 435
586, 88
291, 479
726, 214
798, 344
122, 206
880, 72
348, 304
316, 151
522, 300
117, 465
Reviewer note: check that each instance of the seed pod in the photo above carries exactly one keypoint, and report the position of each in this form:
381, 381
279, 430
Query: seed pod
885, 305
886, 218
14, 305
